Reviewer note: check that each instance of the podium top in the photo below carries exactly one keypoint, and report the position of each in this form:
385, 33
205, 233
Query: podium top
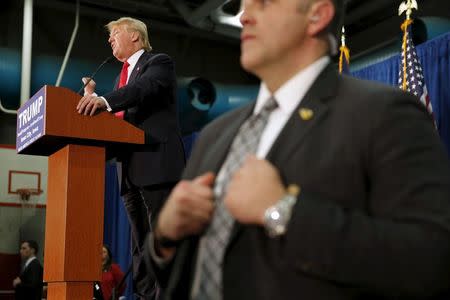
49, 121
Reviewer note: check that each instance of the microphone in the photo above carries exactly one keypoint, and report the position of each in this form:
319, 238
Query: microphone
107, 60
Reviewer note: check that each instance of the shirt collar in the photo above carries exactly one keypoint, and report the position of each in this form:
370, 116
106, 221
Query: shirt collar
30, 259
133, 59
290, 94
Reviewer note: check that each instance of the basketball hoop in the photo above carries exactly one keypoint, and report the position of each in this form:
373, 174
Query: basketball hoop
26, 193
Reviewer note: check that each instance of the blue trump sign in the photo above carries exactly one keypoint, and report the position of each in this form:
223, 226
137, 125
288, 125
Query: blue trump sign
30, 120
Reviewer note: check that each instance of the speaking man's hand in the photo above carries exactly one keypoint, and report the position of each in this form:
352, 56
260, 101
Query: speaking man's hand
89, 105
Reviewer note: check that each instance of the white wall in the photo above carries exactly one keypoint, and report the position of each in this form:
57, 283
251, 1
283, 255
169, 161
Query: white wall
21, 219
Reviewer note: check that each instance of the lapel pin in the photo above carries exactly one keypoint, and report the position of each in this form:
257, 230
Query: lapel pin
306, 114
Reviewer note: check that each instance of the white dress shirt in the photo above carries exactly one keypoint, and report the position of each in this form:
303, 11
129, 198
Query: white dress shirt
132, 61
288, 97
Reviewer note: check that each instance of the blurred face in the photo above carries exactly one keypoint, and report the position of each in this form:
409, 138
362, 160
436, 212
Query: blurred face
121, 42
273, 32
104, 255
25, 251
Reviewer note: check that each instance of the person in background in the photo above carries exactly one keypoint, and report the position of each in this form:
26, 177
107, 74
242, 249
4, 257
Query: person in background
144, 95
112, 276
28, 285
326, 188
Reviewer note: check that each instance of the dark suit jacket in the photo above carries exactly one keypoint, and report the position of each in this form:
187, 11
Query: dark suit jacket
373, 218
31, 286
149, 102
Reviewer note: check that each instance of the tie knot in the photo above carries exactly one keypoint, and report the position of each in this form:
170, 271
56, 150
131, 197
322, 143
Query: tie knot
125, 65
270, 105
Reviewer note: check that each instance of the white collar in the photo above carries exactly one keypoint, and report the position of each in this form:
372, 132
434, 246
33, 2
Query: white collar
290, 94
133, 59
29, 260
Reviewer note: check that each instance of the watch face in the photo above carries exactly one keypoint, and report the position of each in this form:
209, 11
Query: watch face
277, 217
275, 222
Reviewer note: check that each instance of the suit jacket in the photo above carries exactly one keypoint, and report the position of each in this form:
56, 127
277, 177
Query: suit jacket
31, 286
372, 220
150, 104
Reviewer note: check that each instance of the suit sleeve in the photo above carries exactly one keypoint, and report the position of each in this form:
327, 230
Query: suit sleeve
157, 78
401, 245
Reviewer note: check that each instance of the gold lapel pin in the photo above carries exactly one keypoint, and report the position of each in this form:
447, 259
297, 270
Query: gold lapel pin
306, 114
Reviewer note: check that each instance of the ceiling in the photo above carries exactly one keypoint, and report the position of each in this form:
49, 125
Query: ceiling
369, 22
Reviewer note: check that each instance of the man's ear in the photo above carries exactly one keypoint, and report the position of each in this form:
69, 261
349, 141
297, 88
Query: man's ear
320, 16
134, 36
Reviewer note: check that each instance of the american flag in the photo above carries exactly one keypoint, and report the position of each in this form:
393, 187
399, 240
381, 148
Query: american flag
411, 77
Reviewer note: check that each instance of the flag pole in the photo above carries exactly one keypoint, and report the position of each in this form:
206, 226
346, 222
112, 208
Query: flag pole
344, 57
406, 6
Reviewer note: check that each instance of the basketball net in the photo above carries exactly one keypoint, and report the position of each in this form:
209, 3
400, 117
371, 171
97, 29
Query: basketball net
28, 202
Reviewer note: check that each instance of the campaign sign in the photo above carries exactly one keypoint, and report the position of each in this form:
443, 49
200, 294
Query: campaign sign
30, 120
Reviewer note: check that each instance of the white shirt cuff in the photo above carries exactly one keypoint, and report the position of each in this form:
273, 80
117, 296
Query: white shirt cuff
108, 108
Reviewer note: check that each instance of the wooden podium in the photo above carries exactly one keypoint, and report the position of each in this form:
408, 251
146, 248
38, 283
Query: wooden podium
49, 125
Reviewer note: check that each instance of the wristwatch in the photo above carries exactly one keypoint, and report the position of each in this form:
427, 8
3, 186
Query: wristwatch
276, 217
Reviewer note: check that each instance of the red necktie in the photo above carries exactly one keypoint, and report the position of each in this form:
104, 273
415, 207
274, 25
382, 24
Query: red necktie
123, 82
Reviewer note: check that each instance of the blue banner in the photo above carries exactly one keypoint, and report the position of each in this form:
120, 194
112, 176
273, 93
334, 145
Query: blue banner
30, 120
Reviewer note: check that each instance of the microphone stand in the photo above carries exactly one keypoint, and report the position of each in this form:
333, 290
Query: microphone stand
94, 73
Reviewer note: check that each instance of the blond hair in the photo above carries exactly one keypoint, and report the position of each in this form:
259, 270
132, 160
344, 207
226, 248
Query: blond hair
133, 25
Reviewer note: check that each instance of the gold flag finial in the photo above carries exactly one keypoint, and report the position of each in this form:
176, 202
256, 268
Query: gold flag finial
407, 6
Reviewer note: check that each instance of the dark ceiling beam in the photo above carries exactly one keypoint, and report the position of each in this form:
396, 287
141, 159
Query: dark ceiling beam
365, 9
110, 14
205, 22
204, 10
133, 6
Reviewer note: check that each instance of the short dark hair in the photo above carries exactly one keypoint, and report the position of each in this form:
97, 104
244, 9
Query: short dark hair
33, 245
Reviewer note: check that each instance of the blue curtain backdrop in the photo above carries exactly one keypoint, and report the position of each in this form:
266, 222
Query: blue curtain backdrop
434, 56
116, 232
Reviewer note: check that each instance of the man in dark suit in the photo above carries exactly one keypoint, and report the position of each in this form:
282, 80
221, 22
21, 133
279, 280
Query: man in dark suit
28, 285
144, 95
346, 194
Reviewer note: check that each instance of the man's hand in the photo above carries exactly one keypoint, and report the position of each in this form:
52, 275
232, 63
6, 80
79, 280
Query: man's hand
189, 208
89, 89
16, 281
253, 188
89, 104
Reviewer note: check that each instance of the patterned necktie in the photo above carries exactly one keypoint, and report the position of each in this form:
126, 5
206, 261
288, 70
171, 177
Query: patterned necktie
123, 82
218, 233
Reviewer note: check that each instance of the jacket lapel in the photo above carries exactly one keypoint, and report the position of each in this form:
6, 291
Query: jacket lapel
212, 161
310, 111
135, 72
218, 151
137, 68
